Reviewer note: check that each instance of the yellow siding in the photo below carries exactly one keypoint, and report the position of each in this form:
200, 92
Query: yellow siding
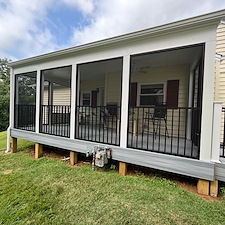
61, 95
89, 85
45, 96
113, 87
162, 74
220, 49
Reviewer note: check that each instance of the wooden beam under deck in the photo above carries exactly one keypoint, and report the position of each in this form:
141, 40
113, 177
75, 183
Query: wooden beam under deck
13, 144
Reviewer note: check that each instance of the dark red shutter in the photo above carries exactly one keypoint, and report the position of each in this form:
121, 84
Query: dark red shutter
172, 93
94, 98
133, 95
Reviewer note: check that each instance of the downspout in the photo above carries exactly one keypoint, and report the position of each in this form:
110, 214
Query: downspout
8, 140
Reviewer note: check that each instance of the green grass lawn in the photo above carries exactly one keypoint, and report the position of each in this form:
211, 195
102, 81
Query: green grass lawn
48, 191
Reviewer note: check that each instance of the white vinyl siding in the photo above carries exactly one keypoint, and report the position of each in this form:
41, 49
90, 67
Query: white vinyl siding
220, 49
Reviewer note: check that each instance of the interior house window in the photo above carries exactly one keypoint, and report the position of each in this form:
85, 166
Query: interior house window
151, 94
86, 99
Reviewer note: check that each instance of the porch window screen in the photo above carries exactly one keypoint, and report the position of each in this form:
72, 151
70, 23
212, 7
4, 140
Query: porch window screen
151, 94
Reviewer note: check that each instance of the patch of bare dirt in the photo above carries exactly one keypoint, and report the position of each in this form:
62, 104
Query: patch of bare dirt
5, 172
7, 153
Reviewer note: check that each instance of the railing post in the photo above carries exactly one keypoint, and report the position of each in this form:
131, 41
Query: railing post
50, 102
38, 101
189, 116
216, 131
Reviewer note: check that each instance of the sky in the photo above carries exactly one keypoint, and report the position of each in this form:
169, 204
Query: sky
33, 27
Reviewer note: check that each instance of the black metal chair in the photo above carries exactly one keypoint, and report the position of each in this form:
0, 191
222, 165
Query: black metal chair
108, 114
158, 117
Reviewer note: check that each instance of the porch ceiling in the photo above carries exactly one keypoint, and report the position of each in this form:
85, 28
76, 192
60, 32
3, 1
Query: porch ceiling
188, 55
97, 70
58, 75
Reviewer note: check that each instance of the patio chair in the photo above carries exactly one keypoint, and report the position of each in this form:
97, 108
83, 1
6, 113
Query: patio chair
108, 115
157, 118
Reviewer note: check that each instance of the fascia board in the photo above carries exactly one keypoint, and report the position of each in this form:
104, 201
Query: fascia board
191, 23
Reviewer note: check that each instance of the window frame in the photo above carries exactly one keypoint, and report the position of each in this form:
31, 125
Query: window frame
152, 83
82, 97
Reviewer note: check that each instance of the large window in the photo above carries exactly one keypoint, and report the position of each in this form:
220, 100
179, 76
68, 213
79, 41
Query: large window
151, 94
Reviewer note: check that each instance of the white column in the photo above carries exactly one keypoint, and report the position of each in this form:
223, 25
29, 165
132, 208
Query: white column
13, 88
11, 107
189, 116
38, 99
73, 100
216, 131
124, 101
207, 102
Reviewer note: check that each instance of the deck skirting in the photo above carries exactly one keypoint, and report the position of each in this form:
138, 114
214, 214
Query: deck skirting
175, 164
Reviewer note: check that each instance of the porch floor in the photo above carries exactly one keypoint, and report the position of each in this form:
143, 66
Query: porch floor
162, 144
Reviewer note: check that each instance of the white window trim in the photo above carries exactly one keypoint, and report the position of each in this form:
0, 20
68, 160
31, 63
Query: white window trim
81, 99
139, 91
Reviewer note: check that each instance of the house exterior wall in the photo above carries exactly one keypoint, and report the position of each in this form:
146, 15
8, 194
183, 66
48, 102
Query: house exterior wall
162, 74
220, 49
219, 92
61, 95
113, 88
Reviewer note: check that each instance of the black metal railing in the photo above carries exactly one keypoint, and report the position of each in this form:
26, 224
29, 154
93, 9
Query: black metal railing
222, 138
100, 124
25, 117
174, 131
55, 120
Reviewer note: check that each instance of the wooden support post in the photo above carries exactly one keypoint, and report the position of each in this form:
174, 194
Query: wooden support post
203, 187
38, 150
73, 158
13, 145
214, 188
135, 128
118, 127
123, 168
